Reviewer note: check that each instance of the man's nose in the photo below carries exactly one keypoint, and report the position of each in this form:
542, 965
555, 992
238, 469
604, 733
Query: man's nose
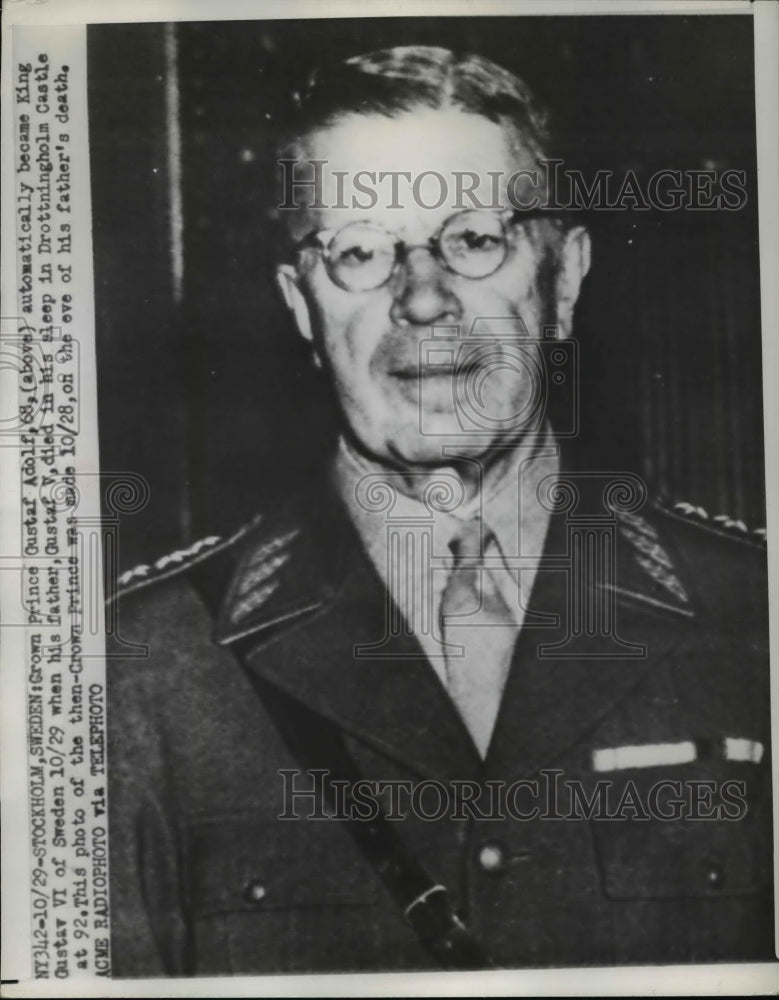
423, 295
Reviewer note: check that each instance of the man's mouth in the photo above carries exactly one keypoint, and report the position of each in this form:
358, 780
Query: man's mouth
415, 373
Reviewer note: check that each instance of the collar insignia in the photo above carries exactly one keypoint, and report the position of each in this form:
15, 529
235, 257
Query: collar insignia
258, 577
663, 586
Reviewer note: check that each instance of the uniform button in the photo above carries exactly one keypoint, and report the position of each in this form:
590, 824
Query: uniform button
491, 857
254, 891
715, 877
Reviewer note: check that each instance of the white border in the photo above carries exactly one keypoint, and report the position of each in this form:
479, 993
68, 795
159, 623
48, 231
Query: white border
95, 11
767, 117
702, 980
715, 980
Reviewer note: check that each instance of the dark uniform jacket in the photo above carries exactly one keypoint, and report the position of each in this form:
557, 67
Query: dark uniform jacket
670, 684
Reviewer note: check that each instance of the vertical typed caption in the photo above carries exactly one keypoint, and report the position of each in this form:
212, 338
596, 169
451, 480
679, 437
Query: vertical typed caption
59, 580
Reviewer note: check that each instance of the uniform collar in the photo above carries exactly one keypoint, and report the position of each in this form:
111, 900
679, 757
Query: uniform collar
304, 578
296, 561
507, 503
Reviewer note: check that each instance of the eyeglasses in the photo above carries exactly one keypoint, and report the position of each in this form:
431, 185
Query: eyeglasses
362, 256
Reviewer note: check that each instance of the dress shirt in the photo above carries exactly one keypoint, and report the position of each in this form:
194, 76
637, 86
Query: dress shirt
407, 520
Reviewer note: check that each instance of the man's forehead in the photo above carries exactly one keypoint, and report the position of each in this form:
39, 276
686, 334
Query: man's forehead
408, 171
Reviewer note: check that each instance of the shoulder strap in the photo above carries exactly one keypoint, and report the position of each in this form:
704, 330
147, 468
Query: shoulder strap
318, 745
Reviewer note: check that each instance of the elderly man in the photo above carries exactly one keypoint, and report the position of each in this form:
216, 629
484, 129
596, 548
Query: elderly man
459, 705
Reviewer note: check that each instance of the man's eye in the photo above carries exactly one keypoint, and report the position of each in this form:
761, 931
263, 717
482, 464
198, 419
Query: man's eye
355, 255
470, 240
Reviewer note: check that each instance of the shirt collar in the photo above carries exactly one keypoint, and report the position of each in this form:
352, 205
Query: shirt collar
508, 500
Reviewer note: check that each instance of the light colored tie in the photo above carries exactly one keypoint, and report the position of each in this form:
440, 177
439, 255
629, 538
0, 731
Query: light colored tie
479, 631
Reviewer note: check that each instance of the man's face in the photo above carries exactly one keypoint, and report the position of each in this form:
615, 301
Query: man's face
372, 343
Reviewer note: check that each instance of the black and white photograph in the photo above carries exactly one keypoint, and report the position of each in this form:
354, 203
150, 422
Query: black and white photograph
428, 391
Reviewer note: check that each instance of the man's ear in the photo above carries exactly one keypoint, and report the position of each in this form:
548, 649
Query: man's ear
288, 282
575, 257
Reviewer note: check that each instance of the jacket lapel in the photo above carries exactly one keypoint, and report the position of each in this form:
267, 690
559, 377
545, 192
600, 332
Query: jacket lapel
297, 613
559, 687
305, 597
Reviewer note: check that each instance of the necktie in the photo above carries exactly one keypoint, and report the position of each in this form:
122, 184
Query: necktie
479, 631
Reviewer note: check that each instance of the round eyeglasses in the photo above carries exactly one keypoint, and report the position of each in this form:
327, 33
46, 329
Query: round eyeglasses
362, 256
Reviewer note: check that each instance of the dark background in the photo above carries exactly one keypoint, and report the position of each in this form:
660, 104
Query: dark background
210, 396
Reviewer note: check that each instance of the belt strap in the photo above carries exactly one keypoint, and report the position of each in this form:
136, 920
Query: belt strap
426, 905
319, 745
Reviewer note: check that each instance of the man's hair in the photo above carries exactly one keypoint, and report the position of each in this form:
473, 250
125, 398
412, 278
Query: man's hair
392, 81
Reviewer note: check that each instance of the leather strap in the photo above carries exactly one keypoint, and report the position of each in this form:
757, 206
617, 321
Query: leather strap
318, 745
426, 905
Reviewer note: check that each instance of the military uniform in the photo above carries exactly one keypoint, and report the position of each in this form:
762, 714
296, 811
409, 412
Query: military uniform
205, 877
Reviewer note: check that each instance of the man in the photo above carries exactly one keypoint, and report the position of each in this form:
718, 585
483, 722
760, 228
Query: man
461, 705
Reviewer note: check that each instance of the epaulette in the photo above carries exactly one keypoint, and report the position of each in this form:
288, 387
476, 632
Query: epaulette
719, 523
659, 581
175, 562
